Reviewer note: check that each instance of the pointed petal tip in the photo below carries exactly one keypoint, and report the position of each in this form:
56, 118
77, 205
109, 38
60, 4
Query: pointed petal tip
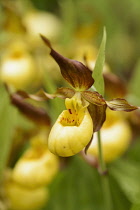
46, 41
71, 69
88, 145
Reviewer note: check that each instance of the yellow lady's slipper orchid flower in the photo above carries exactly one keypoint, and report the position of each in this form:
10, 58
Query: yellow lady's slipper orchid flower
36, 167
116, 136
23, 198
73, 129
37, 22
17, 67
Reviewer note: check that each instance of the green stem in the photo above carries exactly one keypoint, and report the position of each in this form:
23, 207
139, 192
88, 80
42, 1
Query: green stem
101, 160
104, 177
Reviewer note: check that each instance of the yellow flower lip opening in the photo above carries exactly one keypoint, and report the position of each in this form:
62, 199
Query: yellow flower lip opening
73, 129
69, 119
75, 112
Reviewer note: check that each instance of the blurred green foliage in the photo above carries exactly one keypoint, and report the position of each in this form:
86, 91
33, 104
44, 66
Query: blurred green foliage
7, 124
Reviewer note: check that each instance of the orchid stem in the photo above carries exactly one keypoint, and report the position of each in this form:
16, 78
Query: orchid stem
101, 160
104, 177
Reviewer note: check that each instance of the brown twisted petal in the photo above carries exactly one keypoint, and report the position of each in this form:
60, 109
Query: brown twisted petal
120, 104
36, 114
93, 98
41, 95
98, 115
65, 93
76, 74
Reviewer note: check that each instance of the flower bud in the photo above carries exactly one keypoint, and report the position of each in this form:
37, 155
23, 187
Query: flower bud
36, 167
115, 136
23, 198
73, 129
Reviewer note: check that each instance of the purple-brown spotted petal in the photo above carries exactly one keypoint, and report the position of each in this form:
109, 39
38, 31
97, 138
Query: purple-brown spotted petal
120, 104
93, 98
76, 74
98, 114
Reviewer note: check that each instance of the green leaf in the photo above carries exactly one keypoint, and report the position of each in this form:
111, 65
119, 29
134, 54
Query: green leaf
76, 187
98, 69
7, 123
119, 199
127, 175
134, 151
135, 207
79, 186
